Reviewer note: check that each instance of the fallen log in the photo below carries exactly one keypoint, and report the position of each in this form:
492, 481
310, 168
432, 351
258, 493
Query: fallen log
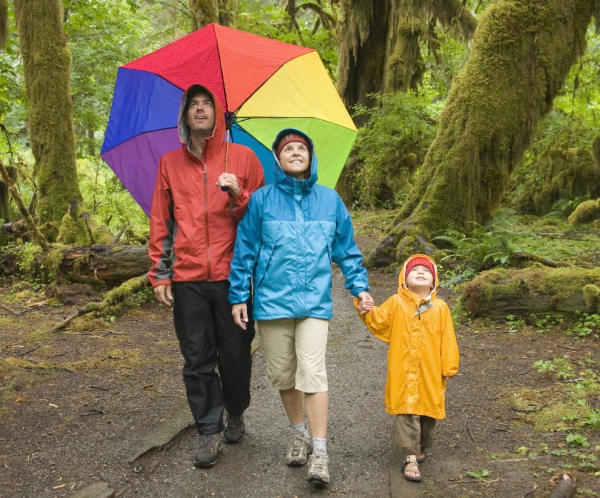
109, 264
535, 291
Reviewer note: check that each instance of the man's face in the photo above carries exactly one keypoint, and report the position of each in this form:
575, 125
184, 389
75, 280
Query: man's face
200, 116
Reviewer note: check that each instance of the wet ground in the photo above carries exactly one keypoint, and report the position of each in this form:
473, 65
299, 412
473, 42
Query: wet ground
79, 403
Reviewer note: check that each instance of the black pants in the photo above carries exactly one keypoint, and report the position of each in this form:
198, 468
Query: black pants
208, 337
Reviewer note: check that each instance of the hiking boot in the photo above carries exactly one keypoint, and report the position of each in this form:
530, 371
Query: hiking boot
318, 468
297, 455
234, 428
206, 456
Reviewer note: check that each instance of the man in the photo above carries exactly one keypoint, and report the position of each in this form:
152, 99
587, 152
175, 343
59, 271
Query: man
201, 193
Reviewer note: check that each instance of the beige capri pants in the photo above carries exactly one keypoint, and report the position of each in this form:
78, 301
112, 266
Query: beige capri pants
295, 352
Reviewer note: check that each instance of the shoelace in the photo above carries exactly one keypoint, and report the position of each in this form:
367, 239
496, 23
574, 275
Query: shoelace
318, 462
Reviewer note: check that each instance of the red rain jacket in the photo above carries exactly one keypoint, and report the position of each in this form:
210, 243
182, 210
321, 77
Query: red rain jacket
193, 223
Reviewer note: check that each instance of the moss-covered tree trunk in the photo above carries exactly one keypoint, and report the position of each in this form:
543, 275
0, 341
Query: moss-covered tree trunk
521, 54
47, 67
3, 22
228, 11
379, 48
204, 12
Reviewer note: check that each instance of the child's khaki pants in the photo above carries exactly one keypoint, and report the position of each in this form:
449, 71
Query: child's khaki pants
414, 433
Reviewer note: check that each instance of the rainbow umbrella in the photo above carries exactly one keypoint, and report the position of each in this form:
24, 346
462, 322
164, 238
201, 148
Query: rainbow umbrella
264, 86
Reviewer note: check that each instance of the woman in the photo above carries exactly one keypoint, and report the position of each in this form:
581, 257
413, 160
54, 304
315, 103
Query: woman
290, 234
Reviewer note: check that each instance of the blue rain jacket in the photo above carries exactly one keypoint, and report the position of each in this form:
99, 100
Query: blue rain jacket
289, 236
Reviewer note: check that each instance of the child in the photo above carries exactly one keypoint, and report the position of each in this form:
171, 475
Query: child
291, 232
423, 354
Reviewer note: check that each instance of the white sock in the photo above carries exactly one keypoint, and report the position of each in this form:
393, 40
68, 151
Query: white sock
300, 429
320, 444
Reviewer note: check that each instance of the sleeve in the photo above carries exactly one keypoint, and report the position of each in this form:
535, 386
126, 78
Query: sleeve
253, 180
450, 354
160, 245
379, 319
346, 253
245, 253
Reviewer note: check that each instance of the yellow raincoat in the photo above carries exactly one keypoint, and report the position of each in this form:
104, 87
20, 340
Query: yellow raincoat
423, 349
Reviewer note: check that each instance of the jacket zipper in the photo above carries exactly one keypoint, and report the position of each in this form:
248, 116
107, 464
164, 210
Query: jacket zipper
206, 222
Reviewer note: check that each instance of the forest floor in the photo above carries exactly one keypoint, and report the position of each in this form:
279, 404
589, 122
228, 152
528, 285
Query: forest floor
76, 404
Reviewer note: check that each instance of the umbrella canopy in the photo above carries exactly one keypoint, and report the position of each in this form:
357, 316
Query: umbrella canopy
264, 86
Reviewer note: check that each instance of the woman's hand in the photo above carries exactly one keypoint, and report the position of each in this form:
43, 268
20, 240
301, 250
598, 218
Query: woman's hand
366, 302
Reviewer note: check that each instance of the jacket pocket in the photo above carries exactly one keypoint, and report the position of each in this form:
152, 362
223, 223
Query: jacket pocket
328, 230
269, 242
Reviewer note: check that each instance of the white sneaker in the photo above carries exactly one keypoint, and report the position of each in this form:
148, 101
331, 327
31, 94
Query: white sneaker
318, 468
297, 455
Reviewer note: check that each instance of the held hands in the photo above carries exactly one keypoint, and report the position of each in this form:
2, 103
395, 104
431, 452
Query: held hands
366, 302
163, 294
240, 315
228, 182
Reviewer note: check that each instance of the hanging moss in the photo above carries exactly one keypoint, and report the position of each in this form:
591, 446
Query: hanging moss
586, 212
47, 67
521, 54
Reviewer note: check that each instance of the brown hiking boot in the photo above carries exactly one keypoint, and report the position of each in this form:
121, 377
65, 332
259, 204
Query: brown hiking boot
210, 446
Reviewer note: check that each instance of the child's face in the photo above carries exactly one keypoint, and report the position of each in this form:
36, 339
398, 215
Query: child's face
419, 278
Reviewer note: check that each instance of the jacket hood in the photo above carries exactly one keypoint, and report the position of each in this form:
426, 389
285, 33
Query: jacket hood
402, 277
281, 177
218, 134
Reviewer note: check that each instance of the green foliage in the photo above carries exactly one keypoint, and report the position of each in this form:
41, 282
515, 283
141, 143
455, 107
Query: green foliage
478, 474
102, 36
588, 324
109, 202
484, 248
391, 146
559, 366
270, 19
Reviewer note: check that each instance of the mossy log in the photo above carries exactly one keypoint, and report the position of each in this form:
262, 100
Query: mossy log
106, 264
536, 291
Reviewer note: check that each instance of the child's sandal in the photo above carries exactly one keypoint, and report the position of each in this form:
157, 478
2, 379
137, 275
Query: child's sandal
410, 465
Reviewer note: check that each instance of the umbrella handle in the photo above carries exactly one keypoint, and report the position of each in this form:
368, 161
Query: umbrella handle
225, 189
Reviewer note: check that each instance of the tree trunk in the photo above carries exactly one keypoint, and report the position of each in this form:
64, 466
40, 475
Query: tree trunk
47, 67
5, 195
204, 12
379, 49
228, 11
533, 292
521, 54
3, 22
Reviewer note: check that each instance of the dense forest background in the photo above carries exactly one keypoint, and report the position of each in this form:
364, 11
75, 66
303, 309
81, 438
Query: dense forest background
468, 112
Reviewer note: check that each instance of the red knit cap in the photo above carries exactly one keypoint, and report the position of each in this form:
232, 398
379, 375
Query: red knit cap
420, 261
292, 137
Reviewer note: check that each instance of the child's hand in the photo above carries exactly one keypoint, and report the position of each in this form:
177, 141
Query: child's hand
366, 302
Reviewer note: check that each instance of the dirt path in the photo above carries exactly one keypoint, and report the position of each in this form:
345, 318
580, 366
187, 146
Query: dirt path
79, 403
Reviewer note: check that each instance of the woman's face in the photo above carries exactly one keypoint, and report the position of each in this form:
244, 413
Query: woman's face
294, 159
